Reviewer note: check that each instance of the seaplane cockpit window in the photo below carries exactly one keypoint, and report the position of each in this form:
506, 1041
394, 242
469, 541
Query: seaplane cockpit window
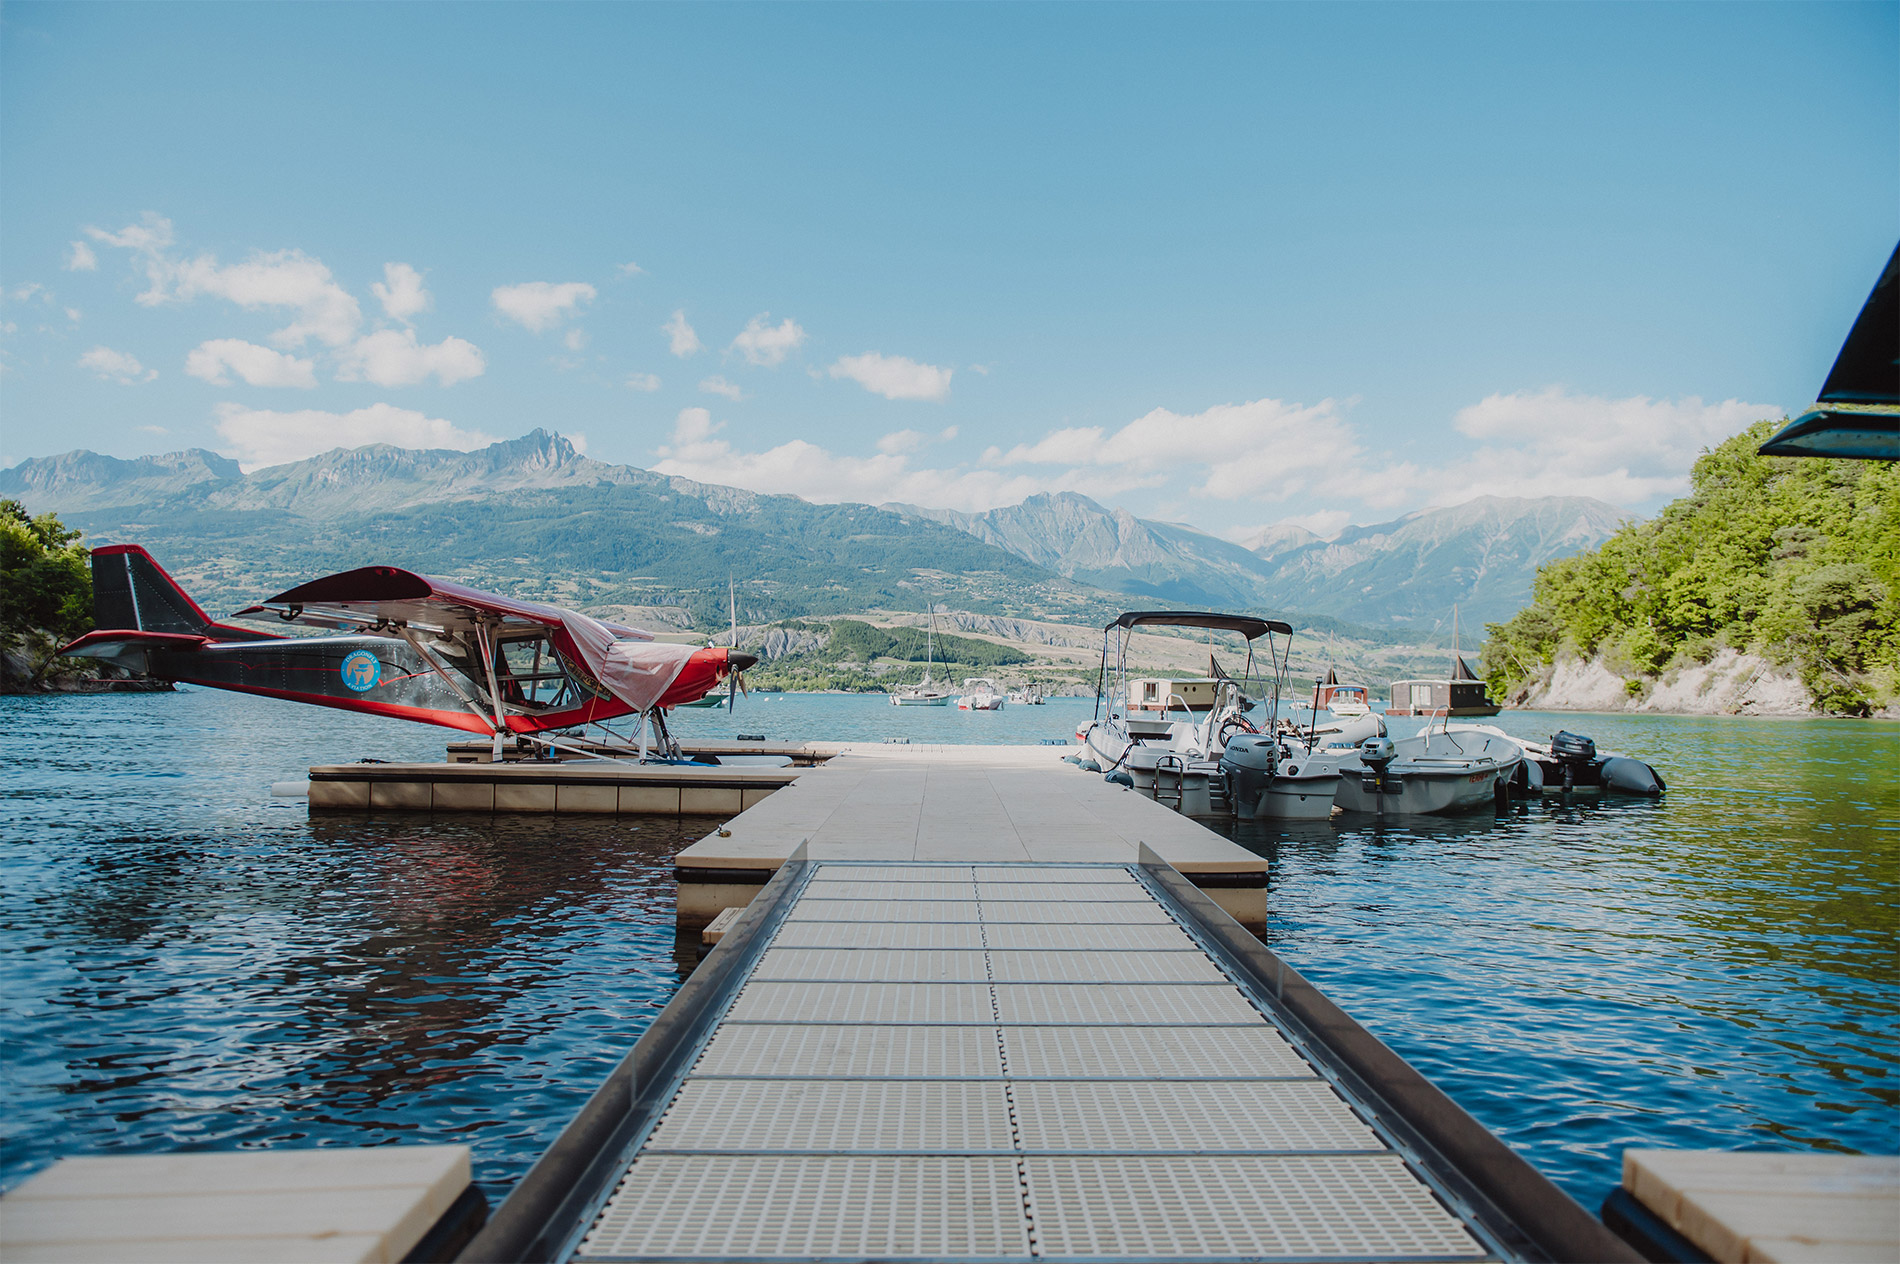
530, 673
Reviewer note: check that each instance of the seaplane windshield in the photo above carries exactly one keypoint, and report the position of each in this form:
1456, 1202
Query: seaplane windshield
531, 674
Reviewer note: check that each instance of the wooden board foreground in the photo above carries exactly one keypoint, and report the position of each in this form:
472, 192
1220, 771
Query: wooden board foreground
302, 1206
1753, 1207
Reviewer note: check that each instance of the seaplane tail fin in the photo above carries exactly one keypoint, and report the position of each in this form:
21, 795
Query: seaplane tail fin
132, 593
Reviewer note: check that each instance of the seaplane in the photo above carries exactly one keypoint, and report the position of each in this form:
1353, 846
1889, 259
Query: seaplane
409, 647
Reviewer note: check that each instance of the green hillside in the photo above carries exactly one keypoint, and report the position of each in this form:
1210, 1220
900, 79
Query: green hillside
1796, 559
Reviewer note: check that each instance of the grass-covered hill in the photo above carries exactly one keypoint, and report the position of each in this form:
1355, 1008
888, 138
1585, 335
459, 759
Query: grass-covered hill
1796, 559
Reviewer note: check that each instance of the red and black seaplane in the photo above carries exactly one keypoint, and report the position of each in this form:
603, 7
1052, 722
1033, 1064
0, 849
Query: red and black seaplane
412, 647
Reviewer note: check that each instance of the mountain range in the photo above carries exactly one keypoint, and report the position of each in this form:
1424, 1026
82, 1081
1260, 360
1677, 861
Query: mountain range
536, 517
1480, 556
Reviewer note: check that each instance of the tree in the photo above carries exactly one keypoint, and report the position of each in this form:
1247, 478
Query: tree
47, 575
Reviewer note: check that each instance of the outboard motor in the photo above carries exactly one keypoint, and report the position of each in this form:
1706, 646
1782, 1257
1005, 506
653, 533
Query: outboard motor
1377, 754
1574, 754
1248, 765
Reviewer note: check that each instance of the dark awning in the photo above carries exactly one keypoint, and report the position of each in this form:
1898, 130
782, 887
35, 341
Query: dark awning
1858, 412
1246, 625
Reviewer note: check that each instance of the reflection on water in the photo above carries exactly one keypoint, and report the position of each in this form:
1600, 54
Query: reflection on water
194, 965
1715, 970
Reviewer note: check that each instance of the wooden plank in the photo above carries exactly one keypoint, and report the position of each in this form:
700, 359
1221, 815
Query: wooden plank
717, 928
1772, 1206
329, 1204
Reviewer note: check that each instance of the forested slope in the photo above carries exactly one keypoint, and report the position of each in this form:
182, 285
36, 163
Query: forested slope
1797, 560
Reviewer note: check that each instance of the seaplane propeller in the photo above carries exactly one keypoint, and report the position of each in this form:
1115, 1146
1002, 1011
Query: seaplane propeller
735, 683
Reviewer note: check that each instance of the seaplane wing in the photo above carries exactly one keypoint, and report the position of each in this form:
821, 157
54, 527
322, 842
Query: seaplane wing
414, 648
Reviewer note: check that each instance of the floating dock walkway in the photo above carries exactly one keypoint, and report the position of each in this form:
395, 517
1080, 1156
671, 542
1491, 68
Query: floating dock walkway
997, 1060
1012, 804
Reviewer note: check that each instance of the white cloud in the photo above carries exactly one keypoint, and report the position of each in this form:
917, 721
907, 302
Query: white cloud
1264, 448
82, 259
768, 345
574, 339
155, 430
894, 377
258, 437
900, 441
151, 235
116, 366
393, 357
258, 366
681, 340
804, 469
72, 314
717, 385
1554, 443
283, 278
631, 269
400, 291
643, 381
541, 305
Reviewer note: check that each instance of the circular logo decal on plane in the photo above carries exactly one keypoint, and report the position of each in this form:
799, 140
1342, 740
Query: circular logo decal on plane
361, 670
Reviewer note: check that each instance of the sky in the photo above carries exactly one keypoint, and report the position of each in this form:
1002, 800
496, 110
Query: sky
1230, 265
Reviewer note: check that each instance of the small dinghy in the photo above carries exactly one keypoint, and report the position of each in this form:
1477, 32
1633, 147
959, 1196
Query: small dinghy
1571, 764
1443, 770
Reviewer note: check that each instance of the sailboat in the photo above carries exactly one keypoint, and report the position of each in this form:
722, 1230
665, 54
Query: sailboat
1462, 693
926, 693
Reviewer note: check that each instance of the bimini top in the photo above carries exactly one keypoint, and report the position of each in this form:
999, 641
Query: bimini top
1245, 624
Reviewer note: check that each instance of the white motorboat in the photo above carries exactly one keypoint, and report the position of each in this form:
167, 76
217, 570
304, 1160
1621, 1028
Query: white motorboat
1029, 695
1293, 774
1345, 702
980, 694
925, 693
1172, 752
1439, 770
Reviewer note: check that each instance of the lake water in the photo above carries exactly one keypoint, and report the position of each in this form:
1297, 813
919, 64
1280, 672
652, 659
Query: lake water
192, 964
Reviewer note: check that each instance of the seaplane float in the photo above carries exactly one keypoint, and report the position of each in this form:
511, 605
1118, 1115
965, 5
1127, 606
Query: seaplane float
411, 648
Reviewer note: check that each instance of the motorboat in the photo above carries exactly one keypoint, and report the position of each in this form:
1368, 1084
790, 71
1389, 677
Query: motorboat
980, 694
1570, 763
1343, 701
1029, 695
1438, 770
1121, 723
1293, 773
925, 693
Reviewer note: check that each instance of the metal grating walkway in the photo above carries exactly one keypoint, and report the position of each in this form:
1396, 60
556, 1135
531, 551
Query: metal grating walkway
978, 1062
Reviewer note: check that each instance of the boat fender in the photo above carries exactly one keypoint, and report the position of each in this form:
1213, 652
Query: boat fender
1088, 765
1120, 779
1631, 776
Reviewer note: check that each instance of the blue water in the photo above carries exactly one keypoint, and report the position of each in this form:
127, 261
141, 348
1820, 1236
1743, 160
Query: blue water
191, 964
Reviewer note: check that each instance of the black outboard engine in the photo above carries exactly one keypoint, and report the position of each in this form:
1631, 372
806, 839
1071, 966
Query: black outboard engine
1574, 753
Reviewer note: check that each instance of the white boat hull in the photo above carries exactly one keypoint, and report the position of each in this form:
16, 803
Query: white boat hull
1298, 798
1411, 791
898, 700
